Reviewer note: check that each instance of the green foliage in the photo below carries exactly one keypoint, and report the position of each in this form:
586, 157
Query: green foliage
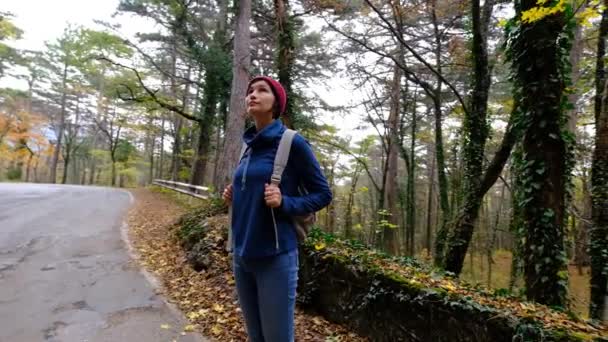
377, 281
124, 150
541, 233
14, 173
192, 226
130, 175
8, 31
383, 220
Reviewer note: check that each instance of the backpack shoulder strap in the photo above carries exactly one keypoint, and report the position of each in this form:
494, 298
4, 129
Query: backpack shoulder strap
280, 160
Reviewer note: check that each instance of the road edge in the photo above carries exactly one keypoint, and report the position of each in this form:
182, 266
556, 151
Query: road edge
151, 278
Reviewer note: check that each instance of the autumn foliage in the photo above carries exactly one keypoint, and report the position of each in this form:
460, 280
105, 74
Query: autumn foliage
22, 143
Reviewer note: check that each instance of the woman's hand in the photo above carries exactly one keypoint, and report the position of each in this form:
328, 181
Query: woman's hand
272, 195
227, 195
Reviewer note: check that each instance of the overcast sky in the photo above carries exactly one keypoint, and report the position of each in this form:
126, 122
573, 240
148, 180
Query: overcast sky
45, 20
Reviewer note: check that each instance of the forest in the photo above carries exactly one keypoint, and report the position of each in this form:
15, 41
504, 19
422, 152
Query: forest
470, 135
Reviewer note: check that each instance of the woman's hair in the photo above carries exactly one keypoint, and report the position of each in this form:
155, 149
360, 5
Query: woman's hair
276, 110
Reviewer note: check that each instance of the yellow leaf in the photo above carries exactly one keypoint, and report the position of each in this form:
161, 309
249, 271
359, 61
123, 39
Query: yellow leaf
449, 286
216, 330
218, 308
165, 326
189, 328
193, 315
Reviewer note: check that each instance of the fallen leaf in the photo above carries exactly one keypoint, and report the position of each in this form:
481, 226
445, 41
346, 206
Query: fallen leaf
216, 330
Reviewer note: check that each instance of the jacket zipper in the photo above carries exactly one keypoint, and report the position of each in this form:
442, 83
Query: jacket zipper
276, 233
248, 153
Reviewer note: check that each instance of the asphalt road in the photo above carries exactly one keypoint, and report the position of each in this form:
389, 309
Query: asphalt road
66, 274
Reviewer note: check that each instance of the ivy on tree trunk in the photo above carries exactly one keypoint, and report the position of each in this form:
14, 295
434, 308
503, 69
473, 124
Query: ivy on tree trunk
539, 52
598, 235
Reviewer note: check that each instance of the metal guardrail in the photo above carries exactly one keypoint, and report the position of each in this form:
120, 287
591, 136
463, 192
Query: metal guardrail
185, 188
198, 192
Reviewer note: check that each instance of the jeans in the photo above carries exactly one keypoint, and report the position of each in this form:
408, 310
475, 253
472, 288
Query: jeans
266, 290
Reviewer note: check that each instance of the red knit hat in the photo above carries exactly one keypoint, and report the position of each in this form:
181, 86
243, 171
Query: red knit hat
277, 89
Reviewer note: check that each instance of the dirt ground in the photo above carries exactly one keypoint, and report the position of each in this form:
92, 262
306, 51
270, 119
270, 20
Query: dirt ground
206, 298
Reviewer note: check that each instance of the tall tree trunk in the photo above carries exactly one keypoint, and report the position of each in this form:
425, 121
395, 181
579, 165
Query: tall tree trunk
392, 185
515, 225
581, 243
216, 156
221, 141
544, 167
161, 147
286, 57
209, 105
113, 181
150, 145
83, 178
598, 235
442, 232
54, 161
177, 147
178, 120
36, 170
411, 189
240, 71
330, 211
66, 162
431, 196
348, 213
476, 134
27, 169
575, 57
240, 75
492, 239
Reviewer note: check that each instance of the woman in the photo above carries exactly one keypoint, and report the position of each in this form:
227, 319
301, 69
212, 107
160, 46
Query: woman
266, 254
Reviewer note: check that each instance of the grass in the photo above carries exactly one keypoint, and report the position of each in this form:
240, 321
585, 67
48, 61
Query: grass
501, 274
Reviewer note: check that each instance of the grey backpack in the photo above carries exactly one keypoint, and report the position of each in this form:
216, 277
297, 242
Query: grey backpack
303, 223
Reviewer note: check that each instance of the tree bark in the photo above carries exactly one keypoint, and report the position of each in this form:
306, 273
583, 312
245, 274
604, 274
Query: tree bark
204, 128
476, 134
240, 76
598, 235
442, 232
286, 58
429, 208
392, 185
66, 162
113, 181
543, 168
411, 189
161, 148
240, 71
55, 160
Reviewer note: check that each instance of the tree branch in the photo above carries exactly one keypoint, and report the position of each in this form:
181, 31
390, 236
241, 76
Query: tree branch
151, 93
409, 74
417, 56
347, 151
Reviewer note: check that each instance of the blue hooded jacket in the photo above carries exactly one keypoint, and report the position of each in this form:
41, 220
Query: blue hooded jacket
253, 229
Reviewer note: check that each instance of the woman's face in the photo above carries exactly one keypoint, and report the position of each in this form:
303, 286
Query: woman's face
259, 100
